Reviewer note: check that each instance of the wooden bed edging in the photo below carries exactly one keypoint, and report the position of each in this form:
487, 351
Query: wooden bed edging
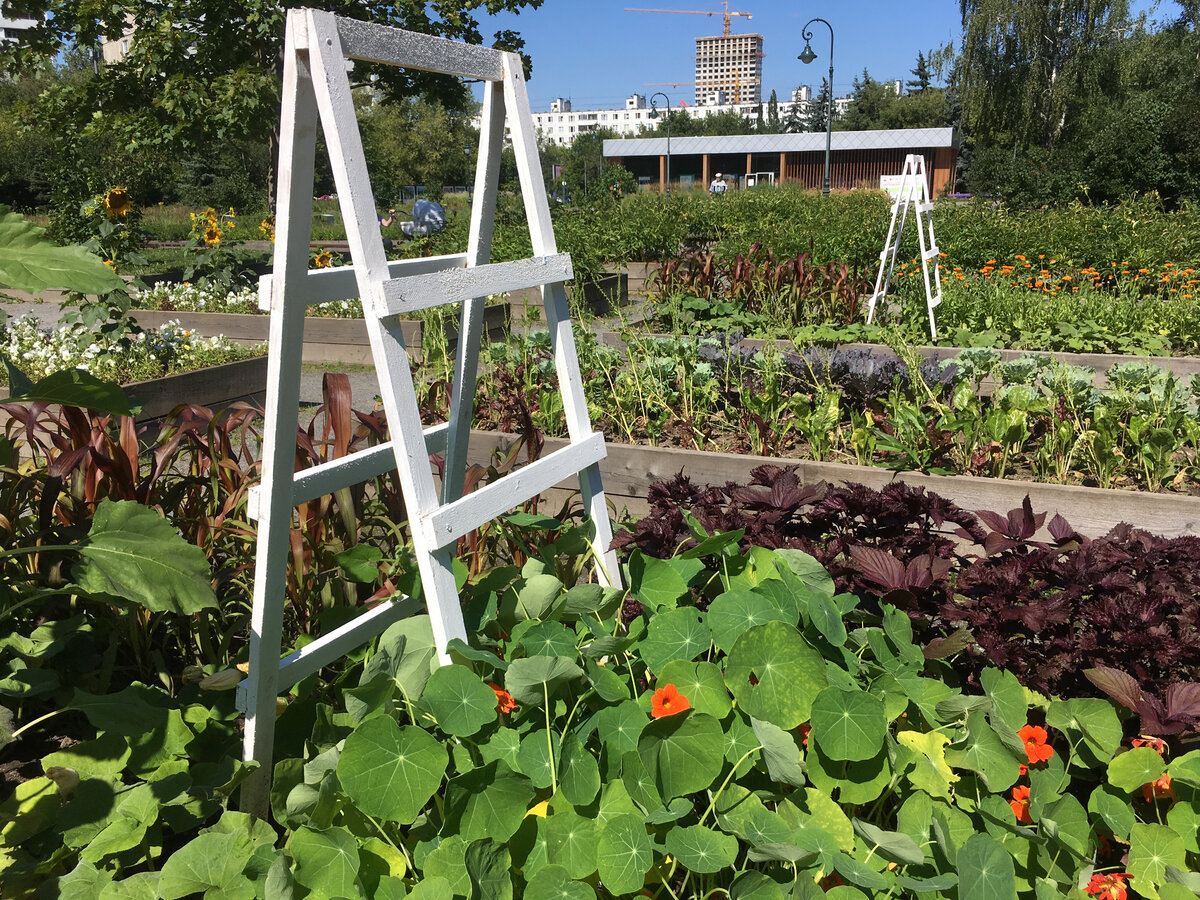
629, 470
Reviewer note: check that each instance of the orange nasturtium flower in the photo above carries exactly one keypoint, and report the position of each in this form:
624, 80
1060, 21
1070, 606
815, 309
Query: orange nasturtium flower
1020, 804
667, 701
504, 700
1159, 790
1146, 740
1108, 887
1034, 738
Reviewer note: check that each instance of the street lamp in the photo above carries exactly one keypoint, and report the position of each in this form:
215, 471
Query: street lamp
806, 57
667, 115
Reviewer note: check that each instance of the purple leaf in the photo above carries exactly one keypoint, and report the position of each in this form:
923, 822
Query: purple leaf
1121, 687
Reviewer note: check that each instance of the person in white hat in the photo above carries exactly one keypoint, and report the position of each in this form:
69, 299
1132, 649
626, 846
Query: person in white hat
718, 185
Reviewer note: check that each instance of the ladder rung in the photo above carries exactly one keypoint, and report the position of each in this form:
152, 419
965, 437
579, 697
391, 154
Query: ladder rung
448, 523
888, 251
356, 468
340, 283
409, 294
925, 207
932, 253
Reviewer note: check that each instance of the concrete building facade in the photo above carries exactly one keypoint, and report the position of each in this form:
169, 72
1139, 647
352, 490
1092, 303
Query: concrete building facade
729, 69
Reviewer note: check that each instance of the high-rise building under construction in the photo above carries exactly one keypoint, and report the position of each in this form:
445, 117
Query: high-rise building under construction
729, 69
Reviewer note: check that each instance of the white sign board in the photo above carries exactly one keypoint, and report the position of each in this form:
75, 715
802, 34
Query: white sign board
890, 184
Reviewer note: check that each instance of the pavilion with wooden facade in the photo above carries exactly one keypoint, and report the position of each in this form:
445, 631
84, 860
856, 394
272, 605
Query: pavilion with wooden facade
857, 158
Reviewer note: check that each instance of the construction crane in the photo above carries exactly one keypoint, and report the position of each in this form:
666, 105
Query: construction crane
698, 12
736, 84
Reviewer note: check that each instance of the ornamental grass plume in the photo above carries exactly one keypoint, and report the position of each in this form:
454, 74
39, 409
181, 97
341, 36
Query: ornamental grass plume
667, 701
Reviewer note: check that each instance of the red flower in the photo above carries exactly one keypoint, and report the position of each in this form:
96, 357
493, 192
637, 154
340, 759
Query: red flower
1020, 804
804, 731
667, 701
1147, 740
1159, 790
830, 881
1036, 748
1023, 769
504, 700
1108, 887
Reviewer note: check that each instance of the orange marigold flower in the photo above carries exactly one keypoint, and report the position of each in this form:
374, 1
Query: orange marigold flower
1159, 790
1108, 887
667, 701
1020, 804
504, 700
1019, 257
1147, 740
1036, 748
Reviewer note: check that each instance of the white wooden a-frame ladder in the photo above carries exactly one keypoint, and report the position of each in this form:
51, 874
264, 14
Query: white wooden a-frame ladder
914, 192
316, 89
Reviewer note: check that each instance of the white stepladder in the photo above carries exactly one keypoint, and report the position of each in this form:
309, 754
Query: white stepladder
316, 91
914, 192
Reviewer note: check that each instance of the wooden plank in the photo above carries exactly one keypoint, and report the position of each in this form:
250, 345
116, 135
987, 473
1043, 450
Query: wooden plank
333, 646
213, 387
397, 47
416, 292
341, 282
629, 471
451, 521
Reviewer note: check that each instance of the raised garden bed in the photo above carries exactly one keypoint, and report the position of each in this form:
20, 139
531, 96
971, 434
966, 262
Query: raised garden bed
629, 470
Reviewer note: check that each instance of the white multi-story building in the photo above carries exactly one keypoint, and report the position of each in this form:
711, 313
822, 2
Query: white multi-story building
729, 67
10, 29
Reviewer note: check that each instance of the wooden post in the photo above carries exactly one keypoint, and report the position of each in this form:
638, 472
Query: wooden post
782, 169
662, 173
749, 164
707, 172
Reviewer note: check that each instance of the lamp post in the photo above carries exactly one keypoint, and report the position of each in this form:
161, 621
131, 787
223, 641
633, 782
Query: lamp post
806, 57
667, 115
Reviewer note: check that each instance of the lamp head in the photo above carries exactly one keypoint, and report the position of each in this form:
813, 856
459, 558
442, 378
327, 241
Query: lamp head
807, 54
653, 112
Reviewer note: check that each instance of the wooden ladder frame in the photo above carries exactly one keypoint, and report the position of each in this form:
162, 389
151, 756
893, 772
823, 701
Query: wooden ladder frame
316, 91
914, 192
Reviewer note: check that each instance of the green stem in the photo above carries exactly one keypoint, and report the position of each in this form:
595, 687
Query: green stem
550, 741
16, 734
724, 784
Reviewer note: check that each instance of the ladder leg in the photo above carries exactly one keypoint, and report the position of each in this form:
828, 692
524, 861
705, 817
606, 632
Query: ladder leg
470, 332
259, 692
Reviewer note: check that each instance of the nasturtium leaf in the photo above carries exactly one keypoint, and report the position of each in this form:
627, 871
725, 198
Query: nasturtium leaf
780, 753
985, 754
487, 802
733, 613
985, 870
701, 683
1178, 877
1112, 806
701, 849
848, 725
808, 570
931, 773
741, 743
655, 582
1184, 819
448, 860
537, 759
1069, 841
531, 679
579, 775
555, 883
360, 563
142, 886
755, 885
433, 887
1133, 768
490, 869
774, 674
571, 842
132, 552
615, 800
913, 817
674, 634
548, 639
817, 809
765, 826
827, 618
1009, 703
1092, 719
378, 859
1151, 849
391, 772
133, 711
682, 753
538, 598
623, 854
857, 781
459, 700
104, 756
858, 873
209, 862
1168, 890
781, 596
620, 727
584, 598
672, 812
891, 845
504, 744
608, 684
934, 885
925, 693
639, 784
735, 807
326, 861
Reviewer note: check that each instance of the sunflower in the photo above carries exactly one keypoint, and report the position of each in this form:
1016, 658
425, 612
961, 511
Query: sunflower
117, 203
323, 260
212, 235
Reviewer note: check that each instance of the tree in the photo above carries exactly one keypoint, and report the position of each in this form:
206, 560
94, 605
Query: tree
921, 80
199, 72
869, 105
819, 108
773, 113
793, 122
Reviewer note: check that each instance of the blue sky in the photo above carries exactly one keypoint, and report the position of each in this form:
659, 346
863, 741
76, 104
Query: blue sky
596, 54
